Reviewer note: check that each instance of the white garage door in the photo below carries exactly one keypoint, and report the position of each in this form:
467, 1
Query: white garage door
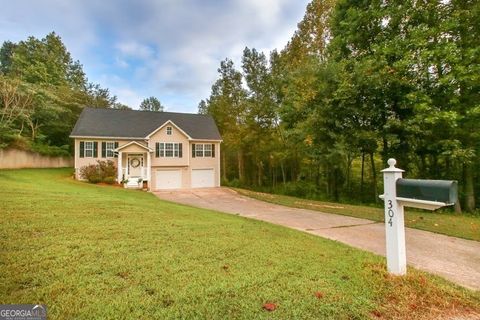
168, 179
203, 178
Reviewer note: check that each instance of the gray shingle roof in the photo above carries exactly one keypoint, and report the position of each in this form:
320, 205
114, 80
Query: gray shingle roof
97, 122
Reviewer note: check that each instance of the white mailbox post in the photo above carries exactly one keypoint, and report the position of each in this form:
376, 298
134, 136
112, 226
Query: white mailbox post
398, 193
394, 221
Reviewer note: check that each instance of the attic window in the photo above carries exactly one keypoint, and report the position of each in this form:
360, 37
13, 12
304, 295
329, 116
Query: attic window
169, 131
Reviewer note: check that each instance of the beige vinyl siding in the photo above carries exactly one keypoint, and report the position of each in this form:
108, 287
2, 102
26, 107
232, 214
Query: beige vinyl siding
176, 136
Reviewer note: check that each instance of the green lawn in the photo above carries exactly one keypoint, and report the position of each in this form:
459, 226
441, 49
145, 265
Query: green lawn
100, 252
458, 225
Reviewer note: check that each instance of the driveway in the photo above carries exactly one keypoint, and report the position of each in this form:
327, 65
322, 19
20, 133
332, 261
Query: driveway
455, 259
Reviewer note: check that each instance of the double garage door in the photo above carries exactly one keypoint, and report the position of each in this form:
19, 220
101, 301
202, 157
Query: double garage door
172, 179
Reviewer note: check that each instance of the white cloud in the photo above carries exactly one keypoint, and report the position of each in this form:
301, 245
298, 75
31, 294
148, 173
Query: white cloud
170, 49
121, 62
128, 96
135, 50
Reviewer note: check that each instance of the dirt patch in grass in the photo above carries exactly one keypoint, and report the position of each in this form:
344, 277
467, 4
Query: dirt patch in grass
416, 296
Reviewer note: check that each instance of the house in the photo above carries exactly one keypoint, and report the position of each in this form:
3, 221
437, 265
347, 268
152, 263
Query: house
166, 150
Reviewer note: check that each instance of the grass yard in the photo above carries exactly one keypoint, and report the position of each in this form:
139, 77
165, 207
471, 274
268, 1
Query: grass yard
465, 226
99, 252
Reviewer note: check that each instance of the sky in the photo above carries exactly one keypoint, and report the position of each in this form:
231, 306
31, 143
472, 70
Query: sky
170, 49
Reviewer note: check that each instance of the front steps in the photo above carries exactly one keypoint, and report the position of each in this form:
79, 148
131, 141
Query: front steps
134, 183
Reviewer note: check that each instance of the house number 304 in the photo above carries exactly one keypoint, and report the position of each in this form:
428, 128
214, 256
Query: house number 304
390, 213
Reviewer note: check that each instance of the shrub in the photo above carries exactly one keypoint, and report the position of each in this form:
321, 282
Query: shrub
107, 169
300, 189
109, 180
103, 171
235, 183
91, 173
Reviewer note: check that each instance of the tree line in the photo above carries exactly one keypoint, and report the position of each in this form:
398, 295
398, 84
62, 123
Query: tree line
359, 82
42, 93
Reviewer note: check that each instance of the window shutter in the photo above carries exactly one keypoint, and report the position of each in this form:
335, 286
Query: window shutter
157, 149
95, 149
213, 150
193, 150
104, 149
82, 149
180, 150
115, 153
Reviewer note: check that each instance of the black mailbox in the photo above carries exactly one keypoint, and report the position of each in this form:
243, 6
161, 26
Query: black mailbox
445, 191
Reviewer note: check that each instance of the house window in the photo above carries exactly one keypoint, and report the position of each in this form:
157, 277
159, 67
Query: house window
199, 150
207, 150
109, 147
175, 149
88, 149
169, 149
161, 150
203, 150
169, 131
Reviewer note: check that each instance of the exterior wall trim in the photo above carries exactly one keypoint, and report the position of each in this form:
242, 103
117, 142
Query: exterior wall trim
105, 137
140, 138
136, 143
207, 140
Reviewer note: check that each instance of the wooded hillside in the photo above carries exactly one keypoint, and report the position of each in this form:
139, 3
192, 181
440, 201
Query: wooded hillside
42, 92
358, 83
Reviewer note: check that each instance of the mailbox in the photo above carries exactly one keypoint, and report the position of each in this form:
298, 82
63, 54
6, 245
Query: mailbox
444, 191
400, 193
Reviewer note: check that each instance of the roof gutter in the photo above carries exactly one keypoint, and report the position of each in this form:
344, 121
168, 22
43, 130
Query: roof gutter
135, 138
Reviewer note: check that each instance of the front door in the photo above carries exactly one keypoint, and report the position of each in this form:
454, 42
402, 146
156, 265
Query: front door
135, 165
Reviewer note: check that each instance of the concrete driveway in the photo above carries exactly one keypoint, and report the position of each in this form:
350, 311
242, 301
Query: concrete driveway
455, 259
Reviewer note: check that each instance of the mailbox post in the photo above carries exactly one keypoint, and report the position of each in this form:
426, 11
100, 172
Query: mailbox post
394, 221
423, 194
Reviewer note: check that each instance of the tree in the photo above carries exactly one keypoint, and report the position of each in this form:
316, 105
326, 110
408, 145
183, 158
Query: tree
56, 86
6, 53
121, 106
260, 111
151, 104
358, 83
227, 105
16, 105
98, 97
43, 61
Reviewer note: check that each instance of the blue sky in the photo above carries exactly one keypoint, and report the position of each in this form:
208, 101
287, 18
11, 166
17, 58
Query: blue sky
170, 49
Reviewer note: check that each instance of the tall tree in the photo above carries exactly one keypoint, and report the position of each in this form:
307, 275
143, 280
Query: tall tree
227, 104
358, 82
151, 104
57, 86
16, 107
43, 61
